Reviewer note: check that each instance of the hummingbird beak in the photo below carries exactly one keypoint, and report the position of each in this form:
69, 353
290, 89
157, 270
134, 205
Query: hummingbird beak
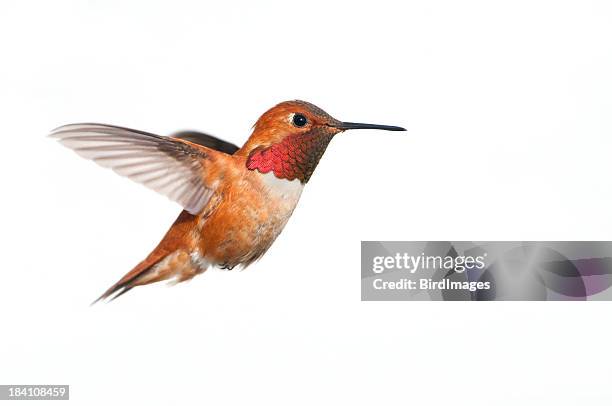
345, 125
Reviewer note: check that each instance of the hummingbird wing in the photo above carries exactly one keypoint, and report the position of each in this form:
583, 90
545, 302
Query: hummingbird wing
172, 167
207, 140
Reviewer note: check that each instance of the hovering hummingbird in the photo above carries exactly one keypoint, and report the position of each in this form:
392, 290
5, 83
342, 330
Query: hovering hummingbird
236, 200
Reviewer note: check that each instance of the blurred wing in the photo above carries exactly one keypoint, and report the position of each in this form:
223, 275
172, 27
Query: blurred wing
207, 140
169, 166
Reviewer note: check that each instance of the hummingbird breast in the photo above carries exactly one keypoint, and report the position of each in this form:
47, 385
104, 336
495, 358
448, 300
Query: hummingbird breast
244, 218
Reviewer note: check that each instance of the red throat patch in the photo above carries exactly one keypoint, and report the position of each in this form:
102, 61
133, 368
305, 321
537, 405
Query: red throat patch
295, 157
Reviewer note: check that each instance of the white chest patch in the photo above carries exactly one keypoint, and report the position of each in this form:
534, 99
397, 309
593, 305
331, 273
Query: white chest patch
289, 190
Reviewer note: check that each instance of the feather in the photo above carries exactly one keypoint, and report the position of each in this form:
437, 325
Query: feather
169, 166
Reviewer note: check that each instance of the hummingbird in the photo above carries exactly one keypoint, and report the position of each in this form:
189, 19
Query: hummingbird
235, 201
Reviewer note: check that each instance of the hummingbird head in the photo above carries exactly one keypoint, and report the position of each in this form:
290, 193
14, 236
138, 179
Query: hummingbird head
291, 137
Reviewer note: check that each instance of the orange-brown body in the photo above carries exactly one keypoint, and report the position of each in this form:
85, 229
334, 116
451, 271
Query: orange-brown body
237, 226
237, 201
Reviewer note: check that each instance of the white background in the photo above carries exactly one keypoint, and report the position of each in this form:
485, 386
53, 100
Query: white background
508, 110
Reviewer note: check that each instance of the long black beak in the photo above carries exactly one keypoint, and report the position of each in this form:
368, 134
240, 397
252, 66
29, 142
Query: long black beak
345, 125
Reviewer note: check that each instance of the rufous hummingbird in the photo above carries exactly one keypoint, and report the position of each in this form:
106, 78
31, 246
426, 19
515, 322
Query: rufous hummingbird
236, 200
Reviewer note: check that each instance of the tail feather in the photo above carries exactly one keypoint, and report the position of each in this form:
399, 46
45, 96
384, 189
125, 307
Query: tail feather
130, 279
169, 259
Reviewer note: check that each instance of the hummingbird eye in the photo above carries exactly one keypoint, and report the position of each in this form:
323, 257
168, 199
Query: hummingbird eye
299, 120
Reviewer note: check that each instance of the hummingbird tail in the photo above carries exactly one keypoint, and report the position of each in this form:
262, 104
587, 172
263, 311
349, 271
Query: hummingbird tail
130, 279
177, 266
169, 260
